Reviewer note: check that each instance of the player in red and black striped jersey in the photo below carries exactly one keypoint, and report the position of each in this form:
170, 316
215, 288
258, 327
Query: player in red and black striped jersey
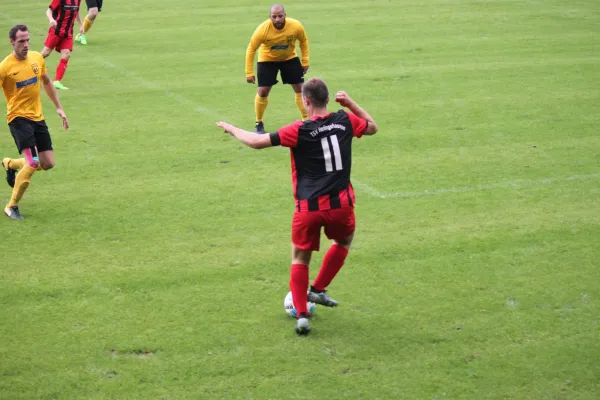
62, 15
321, 157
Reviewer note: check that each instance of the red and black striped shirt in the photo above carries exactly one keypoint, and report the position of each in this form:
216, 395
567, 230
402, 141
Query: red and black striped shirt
64, 13
321, 157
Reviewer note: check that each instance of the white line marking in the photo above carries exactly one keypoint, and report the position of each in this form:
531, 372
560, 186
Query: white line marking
149, 84
461, 189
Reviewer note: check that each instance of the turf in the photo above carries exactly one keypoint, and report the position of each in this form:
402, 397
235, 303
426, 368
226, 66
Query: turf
154, 258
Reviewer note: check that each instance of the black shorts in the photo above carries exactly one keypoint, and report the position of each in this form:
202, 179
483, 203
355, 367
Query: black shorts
28, 133
291, 72
94, 3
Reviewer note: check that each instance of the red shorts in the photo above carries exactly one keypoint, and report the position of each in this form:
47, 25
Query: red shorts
58, 43
306, 226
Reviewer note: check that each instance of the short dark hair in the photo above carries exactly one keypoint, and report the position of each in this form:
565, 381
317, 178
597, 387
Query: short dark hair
12, 34
316, 91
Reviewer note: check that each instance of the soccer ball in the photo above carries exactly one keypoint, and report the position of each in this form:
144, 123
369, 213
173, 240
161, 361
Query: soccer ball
288, 304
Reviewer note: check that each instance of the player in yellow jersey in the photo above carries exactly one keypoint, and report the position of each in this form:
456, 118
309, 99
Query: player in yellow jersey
277, 38
21, 74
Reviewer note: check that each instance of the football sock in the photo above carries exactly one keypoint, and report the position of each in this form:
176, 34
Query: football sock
21, 184
15, 163
298, 285
332, 263
260, 105
300, 106
61, 69
87, 24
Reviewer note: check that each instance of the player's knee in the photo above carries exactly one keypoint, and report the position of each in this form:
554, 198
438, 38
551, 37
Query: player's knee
65, 54
46, 165
93, 13
264, 91
345, 242
300, 256
45, 52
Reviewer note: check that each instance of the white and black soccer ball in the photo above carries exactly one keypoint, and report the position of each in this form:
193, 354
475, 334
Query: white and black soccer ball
288, 305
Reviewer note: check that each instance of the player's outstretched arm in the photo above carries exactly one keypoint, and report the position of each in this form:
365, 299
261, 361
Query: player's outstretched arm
345, 101
250, 139
51, 92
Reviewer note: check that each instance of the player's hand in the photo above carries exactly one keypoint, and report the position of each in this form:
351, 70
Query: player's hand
343, 98
63, 116
251, 79
304, 70
81, 30
226, 126
53, 23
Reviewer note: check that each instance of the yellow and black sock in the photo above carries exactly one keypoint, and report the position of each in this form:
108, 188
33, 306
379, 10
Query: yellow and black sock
300, 106
21, 184
15, 163
260, 105
87, 24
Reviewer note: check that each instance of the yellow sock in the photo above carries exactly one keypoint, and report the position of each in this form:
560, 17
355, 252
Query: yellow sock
87, 24
260, 105
21, 184
14, 163
300, 106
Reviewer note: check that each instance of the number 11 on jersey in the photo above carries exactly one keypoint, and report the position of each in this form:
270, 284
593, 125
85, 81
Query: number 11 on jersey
337, 156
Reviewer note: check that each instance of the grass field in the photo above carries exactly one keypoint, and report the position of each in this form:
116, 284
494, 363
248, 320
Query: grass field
154, 258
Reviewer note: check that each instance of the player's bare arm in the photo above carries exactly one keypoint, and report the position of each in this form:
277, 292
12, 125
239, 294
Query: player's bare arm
250, 139
346, 101
51, 92
78, 19
51, 20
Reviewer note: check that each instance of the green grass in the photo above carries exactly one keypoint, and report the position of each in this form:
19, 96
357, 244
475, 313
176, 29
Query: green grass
154, 259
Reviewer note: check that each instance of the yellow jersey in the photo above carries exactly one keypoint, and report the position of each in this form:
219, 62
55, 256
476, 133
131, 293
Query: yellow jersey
21, 81
277, 44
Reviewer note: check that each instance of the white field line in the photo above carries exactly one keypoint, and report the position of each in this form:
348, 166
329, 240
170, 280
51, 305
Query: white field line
144, 82
461, 189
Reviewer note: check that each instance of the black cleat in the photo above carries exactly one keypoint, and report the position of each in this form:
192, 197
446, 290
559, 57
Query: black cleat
13, 212
302, 326
321, 298
259, 127
10, 174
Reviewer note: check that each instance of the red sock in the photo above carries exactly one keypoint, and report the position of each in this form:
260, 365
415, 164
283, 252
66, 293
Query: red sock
61, 69
298, 285
332, 263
